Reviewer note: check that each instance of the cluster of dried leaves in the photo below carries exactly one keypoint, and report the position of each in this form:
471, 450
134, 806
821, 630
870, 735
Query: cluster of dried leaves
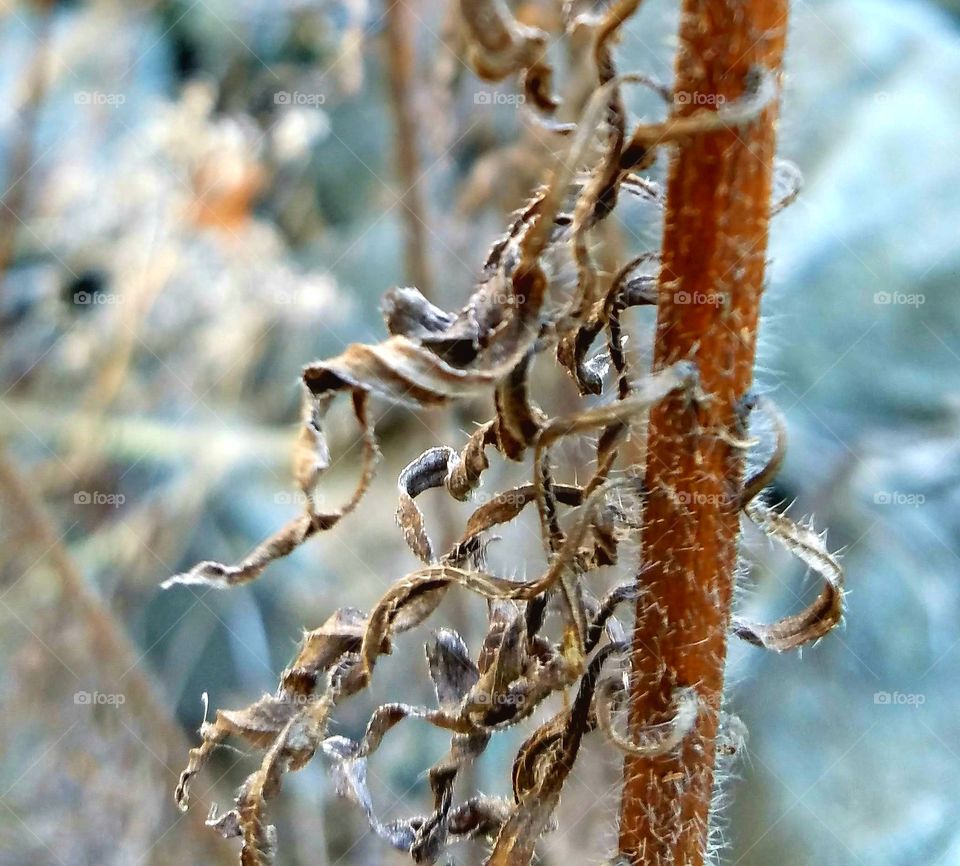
523, 307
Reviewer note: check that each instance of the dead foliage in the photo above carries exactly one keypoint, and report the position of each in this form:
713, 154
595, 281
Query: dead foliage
520, 311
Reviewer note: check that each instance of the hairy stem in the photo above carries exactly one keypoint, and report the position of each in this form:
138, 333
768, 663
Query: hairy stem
710, 286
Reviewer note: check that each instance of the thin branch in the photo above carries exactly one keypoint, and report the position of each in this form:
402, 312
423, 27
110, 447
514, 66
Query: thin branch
401, 62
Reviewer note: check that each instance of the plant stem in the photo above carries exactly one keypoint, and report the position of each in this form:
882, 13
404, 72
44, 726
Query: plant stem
400, 66
714, 252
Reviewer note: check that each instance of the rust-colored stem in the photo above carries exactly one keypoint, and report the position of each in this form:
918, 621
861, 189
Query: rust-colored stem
400, 68
714, 250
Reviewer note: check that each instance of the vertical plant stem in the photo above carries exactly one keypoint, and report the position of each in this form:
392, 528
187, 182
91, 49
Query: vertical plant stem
400, 63
711, 281
22, 152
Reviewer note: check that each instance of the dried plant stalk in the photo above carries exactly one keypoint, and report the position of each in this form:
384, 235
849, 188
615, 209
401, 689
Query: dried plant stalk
524, 307
400, 57
718, 204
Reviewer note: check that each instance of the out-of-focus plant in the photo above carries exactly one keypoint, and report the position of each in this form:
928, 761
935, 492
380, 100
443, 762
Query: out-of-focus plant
682, 494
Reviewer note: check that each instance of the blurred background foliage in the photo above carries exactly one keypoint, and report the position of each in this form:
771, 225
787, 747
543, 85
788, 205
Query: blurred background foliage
200, 197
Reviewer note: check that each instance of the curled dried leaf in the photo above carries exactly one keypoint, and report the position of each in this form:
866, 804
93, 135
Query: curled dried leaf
603, 616
498, 45
452, 670
507, 505
681, 375
652, 740
322, 648
294, 746
628, 289
476, 817
824, 613
465, 476
312, 457
808, 546
429, 471
349, 772
760, 91
787, 184
408, 313
541, 769
278, 545
262, 725
765, 475
405, 372
518, 421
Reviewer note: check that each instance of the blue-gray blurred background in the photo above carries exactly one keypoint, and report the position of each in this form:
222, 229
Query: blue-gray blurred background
199, 197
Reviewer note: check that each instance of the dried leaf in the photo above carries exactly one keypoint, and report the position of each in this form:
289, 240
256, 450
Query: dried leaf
312, 458
507, 505
293, 747
827, 610
479, 816
430, 470
628, 289
518, 421
278, 545
323, 647
541, 769
765, 475
452, 670
787, 184
605, 610
760, 92
652, 740
408, 313
824, 613
498, 45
